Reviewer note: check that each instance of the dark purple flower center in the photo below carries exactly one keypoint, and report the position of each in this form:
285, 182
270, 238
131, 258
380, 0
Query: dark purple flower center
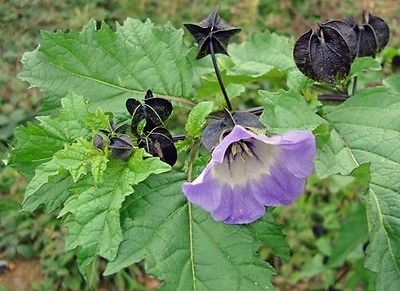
241, 149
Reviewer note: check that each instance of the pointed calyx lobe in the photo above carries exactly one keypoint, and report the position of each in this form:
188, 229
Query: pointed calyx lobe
372, 35
326, 53
217, 130
212, 32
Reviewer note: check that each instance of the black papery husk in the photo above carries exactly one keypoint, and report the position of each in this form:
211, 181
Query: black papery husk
159, 143
212, 30
121, 146
372, 35
326, 53
155, 110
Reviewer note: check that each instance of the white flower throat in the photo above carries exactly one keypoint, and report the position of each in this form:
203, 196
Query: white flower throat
245, 161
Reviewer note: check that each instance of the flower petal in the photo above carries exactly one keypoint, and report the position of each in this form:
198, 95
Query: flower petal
204, 191
240, 208
257, 171
279, 188
297, 152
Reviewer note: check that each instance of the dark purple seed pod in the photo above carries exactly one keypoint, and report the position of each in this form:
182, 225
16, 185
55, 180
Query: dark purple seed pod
121, 146
326, 53
372, 35
212, 32
396, 63
159, 143
99, 141
154, 109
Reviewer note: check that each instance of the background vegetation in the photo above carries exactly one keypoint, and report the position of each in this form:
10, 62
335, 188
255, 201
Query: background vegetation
32, 245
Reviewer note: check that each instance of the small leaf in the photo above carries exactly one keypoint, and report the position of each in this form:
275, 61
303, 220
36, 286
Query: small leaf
353, 233
38, 142
197, 118
75, 159
363, 64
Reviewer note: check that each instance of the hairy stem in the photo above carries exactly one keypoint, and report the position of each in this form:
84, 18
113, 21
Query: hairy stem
192, 157
255, 110
333, 97
220, 82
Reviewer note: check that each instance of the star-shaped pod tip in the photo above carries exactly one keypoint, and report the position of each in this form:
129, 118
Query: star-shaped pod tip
154, 110
159, 143
212, 34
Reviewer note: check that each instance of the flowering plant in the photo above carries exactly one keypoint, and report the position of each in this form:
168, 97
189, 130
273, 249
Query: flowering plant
107, 153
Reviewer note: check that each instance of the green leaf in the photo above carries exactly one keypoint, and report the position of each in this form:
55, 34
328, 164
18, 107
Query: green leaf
75, 159
333, 156
353, 233
37, 143
185, 247
109, 66
287, 110
97, 120
368, 125
262, 53
52, 194
93, 222
393, 83
198, 117
364, 64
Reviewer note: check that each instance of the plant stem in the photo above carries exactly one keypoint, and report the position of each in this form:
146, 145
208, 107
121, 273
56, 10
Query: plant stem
178, 137
354, 89
333, 97
220, 82
255, 110
192, 157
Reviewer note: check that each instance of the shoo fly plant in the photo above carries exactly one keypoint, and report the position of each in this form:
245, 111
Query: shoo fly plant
173, 147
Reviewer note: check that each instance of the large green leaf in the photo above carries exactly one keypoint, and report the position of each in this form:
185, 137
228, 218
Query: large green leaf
185, 247
107, 66
262, 53
37, 143
368, 125
94, 222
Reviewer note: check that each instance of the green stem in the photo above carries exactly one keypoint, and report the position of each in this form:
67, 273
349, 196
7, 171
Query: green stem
219, 78
354, 89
